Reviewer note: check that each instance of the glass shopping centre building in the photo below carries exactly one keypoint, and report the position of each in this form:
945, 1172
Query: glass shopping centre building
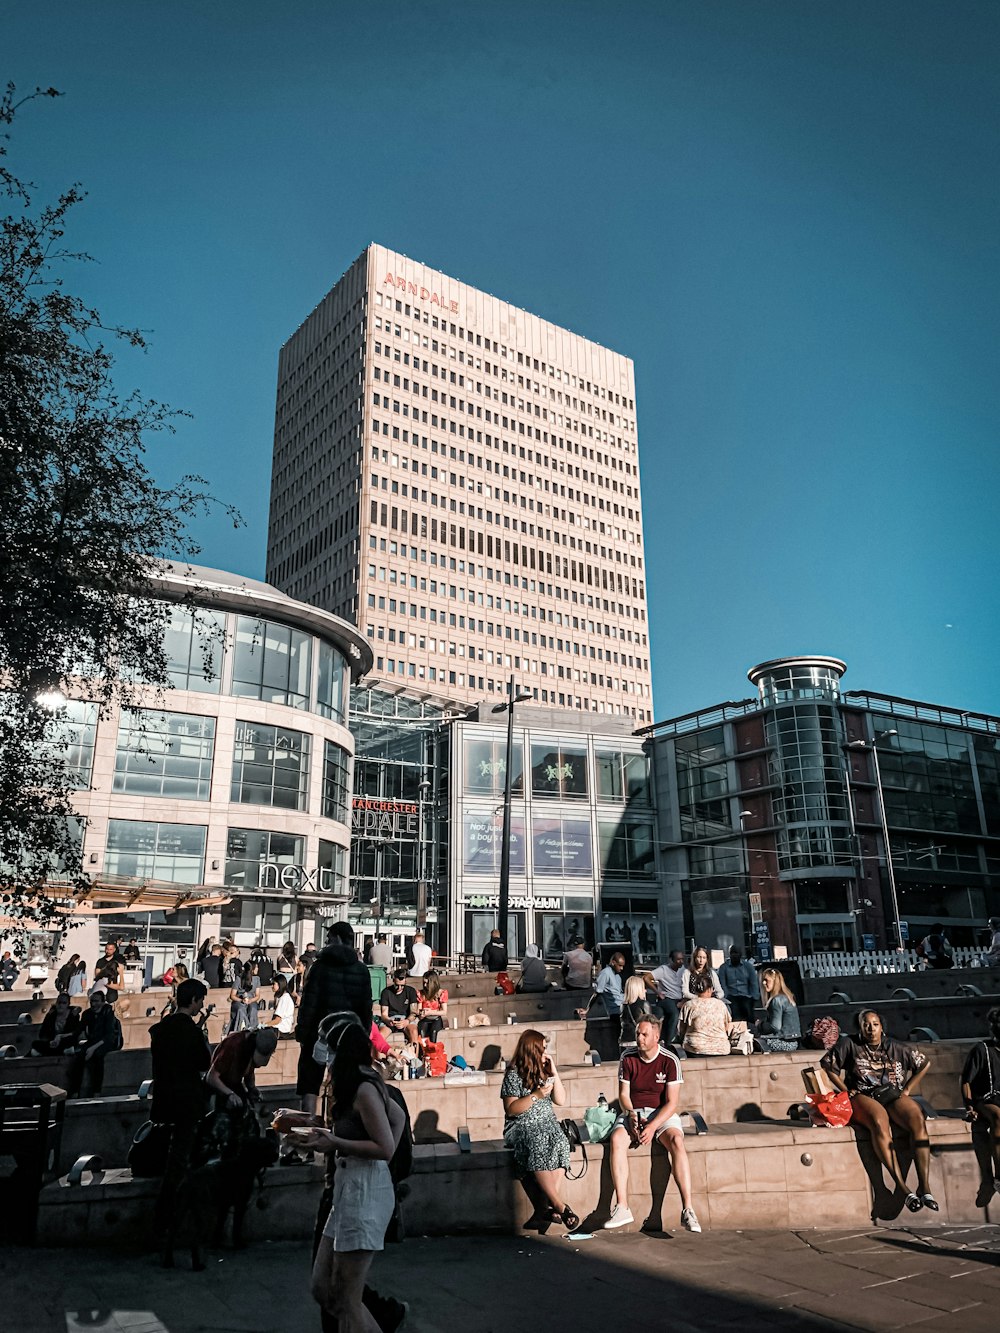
237, 779
278, 772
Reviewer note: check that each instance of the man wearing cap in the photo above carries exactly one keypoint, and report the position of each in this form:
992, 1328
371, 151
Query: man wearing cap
578, 966
381, 955
231, 1075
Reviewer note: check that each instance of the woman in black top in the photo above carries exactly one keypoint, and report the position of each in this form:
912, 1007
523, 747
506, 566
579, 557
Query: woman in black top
881, 1075
366, 1129
981, 1088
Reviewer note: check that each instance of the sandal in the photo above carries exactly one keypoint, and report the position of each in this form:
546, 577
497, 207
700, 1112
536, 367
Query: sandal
914, 1203
928, 1201
567, 1217
535, 1223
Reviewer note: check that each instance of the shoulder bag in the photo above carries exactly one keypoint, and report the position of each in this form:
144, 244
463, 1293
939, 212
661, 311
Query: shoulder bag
577, 1137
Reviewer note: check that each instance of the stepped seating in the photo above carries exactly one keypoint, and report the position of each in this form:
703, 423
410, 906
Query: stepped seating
949, 1017
749, 1176
738, 1090
755, 1168
873, 988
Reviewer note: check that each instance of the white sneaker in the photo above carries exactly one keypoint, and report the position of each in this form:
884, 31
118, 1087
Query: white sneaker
620, 1217
689, 1221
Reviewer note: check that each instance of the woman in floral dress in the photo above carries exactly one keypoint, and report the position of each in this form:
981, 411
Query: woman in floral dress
531, 1088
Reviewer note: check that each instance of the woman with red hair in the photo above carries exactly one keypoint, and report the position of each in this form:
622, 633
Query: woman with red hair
531, 1088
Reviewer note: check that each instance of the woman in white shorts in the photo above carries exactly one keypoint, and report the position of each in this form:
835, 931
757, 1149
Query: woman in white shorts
366, 1129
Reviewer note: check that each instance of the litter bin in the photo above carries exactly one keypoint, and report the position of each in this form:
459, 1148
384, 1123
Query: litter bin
31, 1123
379, 977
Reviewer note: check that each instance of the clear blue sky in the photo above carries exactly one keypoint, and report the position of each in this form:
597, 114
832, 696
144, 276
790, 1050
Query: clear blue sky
788, 214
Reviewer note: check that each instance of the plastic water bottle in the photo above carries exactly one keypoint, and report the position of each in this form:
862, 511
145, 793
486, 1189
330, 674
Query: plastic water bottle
602, 1100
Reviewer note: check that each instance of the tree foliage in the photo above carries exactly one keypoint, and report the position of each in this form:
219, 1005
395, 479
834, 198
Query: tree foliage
82, 524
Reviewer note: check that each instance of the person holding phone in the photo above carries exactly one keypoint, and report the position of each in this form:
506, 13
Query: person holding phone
367, 1127
531, 1088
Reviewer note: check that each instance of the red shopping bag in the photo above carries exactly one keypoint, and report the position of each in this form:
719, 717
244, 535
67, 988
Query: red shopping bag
829, 1108
435, 1060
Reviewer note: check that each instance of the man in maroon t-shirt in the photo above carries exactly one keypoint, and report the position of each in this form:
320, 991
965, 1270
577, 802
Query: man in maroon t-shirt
649, 1085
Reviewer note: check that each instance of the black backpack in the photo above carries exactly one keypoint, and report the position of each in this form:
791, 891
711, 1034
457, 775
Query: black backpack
401, 1161
265, 969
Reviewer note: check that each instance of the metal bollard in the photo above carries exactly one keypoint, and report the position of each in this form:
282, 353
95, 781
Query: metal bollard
89, 1163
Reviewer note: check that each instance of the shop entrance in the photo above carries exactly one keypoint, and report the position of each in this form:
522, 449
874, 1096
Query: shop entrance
479, 924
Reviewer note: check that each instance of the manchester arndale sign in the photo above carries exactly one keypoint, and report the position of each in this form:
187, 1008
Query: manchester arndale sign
375, 818
399, 283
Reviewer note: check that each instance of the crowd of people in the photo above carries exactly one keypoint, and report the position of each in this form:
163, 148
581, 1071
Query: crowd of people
708, 1011
349, 1112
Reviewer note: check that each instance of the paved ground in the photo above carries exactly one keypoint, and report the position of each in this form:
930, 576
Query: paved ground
931, 1277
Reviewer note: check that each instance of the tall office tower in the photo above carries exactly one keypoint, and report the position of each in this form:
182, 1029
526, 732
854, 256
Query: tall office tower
461, 479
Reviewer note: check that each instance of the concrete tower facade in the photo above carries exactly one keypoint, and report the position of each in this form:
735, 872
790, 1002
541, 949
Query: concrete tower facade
460, 478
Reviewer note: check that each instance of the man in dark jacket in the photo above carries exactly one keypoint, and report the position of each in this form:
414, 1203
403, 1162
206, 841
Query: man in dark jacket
336, 981
495, 954
180, 1058
212, 968
100, 1036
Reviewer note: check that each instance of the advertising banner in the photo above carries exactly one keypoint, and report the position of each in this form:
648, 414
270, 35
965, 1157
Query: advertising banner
561, 846
482, 842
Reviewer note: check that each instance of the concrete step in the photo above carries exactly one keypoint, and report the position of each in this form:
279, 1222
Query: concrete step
733, 1089
750, 1177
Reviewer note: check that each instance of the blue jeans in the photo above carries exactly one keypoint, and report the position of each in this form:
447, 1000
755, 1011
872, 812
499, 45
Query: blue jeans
242, 1016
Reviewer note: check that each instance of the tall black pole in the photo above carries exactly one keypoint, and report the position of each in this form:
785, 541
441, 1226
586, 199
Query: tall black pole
504, 911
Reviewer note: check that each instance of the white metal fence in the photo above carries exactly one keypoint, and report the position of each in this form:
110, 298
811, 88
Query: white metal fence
877, 960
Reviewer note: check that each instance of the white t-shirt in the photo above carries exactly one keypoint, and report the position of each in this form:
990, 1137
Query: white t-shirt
421, 960
284, 1011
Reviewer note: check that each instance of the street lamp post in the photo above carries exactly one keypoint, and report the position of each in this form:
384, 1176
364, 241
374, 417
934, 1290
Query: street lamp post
873, 746
504, 901
423, 793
